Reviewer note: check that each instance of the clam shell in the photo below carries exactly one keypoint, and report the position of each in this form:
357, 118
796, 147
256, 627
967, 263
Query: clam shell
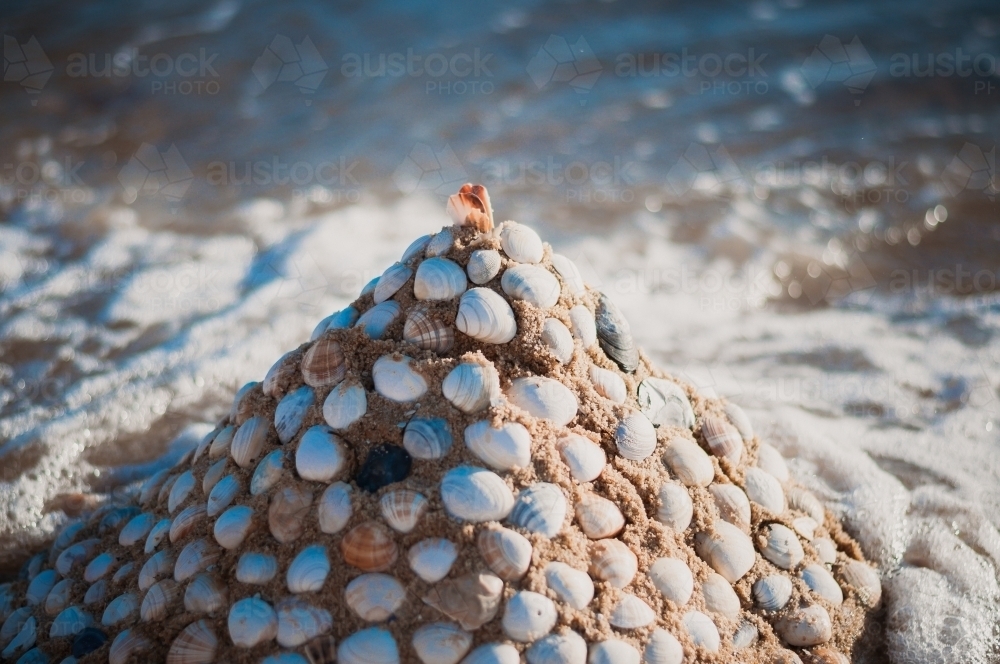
232, 527
290, 412
252, 621
764, 490
287, 513
612, 651
71, 620
206, 594
506, 552
739, 420
214, 473
323, 364
267, 473
58, 597
374, 597
427, 332
528, 616
69, 532
126, 644
559, 340
770, 461
222, 443
396, 380
196, 644
321, 455
720, 597
248, 443
300, 622
158, 533
635, 437
18, 635
415, 249
402, 509
335, 508
345, 405
727, 550
369, 546
279, 374
612, 561
76, 554
723, 439
676, 508
493, 653
431, 559
566, 648
222, 495
149, 492
805, 526
472, 386
185, 522
570, 274
369, 646
96, 593
165, 489
822, 583
805, 501
136, 529
504, 448
781, 546
521, 243
663, 648
99, 567
702, 630
631, 613
673, 578
158, 565
391, 281
40, 587
689, 463
439, 279
427, 439
570, 585
806, 626
665, 403
540, 508
615, 335
585, 458
598, 517
733, 504
825, 549
531, 283
475, 494
193, 558
864, 580
543, 398
242, 407
338, 320
180, 491
745, 636
440, 244
441, 643
256, 568
471, 600
484, 264
369, 288
121, 608
609, 384
376, 321
583, 325
485, 316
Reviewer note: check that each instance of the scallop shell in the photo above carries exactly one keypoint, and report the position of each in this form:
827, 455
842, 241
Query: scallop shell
806, 626
598, 517
159, 599
781, 546
635, 437
339, 320
764, 490
723, 439
689, 463
249, 441
702, 630
504, 448
222, 443
608, 384
720, 597
427, 332
439, 279
431, 559
528, 616
427, 439
205, 594
99, 567
570, 274
256, 568
673, 578
323, 365
676, 508
287, 513
585, 459
665, 403
612, 561
540, 508
472, 386
321, 455
125, 645
158, 565
440, 244
613, 651
71, 620
733, 504
232, 527
121, 608
58, 597
369, 546
485, 316
615, 335
136, 529
193, 558
826, 550
570, 585
441, 643
559, 340
300, 622
805, 501
506, 552
222, 495
396, 380
279, 374
391, 281
822, 583
416, 248
483, 265
180, 491
75, 554
531, 283
185, 522
471, 600
369, 646
376, 321
374, 597
864, 580
95, 593
727, 550
770, 461
345, 405
475, 494
583, 325
196, 644
663, 648
40, 587
402, 509
543, 398
335, 508
267, 473
290, 412
631, 613
252, 621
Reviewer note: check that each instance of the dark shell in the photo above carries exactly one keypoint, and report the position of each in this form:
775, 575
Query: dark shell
615, 335
385, 464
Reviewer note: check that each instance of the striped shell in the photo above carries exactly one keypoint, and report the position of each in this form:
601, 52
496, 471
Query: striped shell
676, 508
323, 364
531, 283
781, 546
252, 621
376, 321
428, 332
506, 552
472, 386
370, 547
402, 509
723, 439
439, 279
485, 316
427, 439
540, 508
268, 472
631, 613
256, 568
431, 559
222, 495
521, 243
248, 443
206, 594
287, 513
335, 508
291, 411
598, 517
196, 644
612, 561
391, 281
374, 597
441, 643
635, 437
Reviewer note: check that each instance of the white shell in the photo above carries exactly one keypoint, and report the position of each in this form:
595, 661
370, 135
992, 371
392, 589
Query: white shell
728, 550
126, 644
722, 438
377, 320
193, 558
806, 626
612, 561
763, 489
521, 243
665, 403
159, 564
825, 549
544, 398
222, 495
300, 622
676, 508
673, 578
213, 475
571, 585
156, 604
415, 249
99, 567
472, 386
745, 636
485, 316
374, 597
391, 281
484, 264
493, 653
631, 613
476, 494
540, 508
185, 522
308, 571
58, 597
558, 338
196, 644
770, 460
321, 455
608, 384
689, 463
739, 420
612, 651
427, 439
396, 380
180, 491
440, 244
782, 546
369, 646
70, 621
570, 274
256, 568
805, 526
267, 473
703, 631
290, 412
531, 283
635, 437
76, 553
566, 648
402, 509
439, 279
39, 587
335, 509
733, 504
585, 458
426, 331
345, 405
205, 594
19, 633
822, 583
598, 517
249, 440
663, 648
441, 643
805, 501
232, 526
121, 608
720, 597
369, 288
865, 581
504, 448
528, 616
96, 593
431, 559
583, 325
506, 552
252, 621
339, 320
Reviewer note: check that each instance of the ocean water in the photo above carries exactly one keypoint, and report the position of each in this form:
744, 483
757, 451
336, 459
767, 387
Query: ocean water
793, 202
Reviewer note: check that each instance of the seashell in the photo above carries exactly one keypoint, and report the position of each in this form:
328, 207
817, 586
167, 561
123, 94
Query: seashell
528, 616
612, 561
71, 620
521, 243
676, 508
723, 439
374, 597
267, 473
506, 552
615, 335
485, 316
193, 558
256, 568
323, 365
396, 380
290, 412
125, 645
252, 621
391, 281
635, 437
483, 265
158, 533
805, 526
806, 626
308, 571
402, 509
585, 459
613, 651
493, 653
280, 373
781, 546
559, 340
504, 448
370, 547
673, 578
96, 593
222, 495
415, 249
770, 461
663, 648
864, 580
158, 600
245, 398
772, 593
720, 597
24, 639
369, 646
822, 583
184, 523
431, 559
440, 244
631, 613
74, 554
727, 550
99, 567
570, 585
583, 325
598, 517
531, 283
805, 501
214, 473
609, 384
385, 464
472, 386
665, 403
122, 608
566, 648
287, 513
300, 622
249, 441
14, 624
136, 529
745, 636
39, 588
232, 527
702, 630
149, 492
471, 600
69, 532
376, 321
733, 504
428, 332
689, 463
321, 455
570, 274
540, 508
339, 320
196, 644
111, 521
439, 279
739, 420
826, 550
158, 565
206, 594
58, 597
180, 491
222, 443
475, 494
335, 509
369, 288
543, 398
764, 490
441, 643
427, 439
345, 405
